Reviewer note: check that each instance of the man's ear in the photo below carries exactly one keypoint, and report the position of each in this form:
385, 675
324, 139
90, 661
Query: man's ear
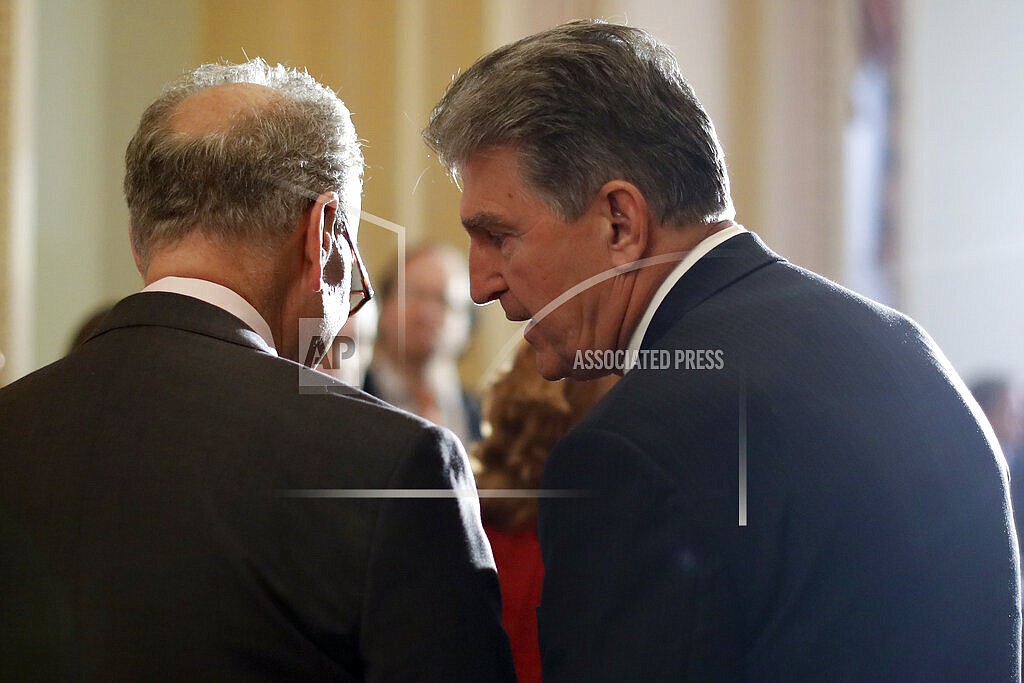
318, 227
623, 208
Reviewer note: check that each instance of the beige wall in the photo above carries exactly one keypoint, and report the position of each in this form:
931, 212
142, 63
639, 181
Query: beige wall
6, 66
772, 74
390, 61
83, 72
16, 190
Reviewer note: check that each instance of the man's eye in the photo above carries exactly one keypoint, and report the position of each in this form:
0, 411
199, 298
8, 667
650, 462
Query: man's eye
496, 238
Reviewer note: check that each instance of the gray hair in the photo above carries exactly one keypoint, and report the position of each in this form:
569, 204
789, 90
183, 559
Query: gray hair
585, 103
250, 181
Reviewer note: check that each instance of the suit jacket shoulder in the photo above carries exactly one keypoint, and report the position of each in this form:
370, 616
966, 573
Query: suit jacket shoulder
782, 510
221, 515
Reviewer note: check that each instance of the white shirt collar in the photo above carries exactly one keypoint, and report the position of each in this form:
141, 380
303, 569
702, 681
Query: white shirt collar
219, 296
694, 255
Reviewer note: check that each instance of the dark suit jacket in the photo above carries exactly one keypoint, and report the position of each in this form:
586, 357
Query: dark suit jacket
877, 544
470, 404
150, 533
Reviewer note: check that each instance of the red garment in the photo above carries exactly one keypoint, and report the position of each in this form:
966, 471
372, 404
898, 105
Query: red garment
521, 574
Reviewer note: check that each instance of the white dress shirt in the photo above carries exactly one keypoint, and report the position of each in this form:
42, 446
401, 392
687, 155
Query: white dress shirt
694, 255
219, 296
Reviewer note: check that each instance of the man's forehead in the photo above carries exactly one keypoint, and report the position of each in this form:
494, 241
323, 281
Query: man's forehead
490, 166
217, 108
491, 187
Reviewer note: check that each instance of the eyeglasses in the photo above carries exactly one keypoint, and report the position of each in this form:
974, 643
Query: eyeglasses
362, 286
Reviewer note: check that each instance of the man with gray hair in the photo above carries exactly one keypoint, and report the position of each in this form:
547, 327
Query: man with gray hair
178, 501
789, 483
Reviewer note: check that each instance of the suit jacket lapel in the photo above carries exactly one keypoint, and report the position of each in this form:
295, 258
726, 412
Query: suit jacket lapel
716, 270
166, 309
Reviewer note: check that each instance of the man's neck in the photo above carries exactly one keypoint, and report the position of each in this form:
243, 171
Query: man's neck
239, 269
667, 247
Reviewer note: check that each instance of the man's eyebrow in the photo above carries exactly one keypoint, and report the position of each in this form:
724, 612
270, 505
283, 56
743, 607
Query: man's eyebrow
485, 221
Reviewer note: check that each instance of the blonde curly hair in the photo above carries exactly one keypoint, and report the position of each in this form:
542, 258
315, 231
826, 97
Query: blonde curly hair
526, 416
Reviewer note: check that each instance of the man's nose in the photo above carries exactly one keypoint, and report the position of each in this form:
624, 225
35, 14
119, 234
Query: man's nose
486, 282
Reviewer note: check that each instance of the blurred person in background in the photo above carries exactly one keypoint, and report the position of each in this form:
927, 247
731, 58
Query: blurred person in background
416, 359
525, 416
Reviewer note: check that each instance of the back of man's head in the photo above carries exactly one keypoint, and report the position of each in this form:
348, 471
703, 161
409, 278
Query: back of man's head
237, 151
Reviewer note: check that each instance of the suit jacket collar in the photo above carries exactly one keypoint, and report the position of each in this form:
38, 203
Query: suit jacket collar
177, 311
716, 270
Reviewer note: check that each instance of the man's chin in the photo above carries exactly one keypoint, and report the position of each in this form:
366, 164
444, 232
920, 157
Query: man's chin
551, 375
553, 366
587, 375
550, 366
